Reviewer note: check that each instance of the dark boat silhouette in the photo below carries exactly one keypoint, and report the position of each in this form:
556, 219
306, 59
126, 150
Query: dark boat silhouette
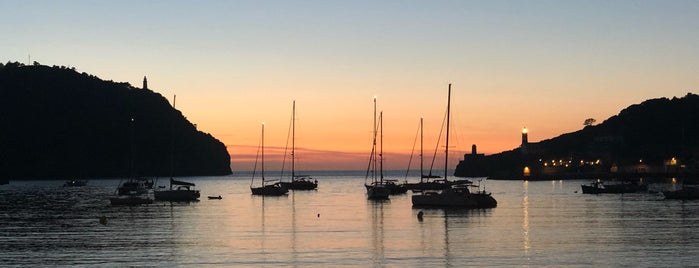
275, 188
298, 182
456, 195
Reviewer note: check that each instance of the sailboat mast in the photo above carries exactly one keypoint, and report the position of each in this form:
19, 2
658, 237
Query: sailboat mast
446, 151
263, 154
421, 140
373, 149
293, 139
172, 139
381, 151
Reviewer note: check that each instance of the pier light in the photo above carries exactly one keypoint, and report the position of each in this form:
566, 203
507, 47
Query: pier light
526, 171
673, 161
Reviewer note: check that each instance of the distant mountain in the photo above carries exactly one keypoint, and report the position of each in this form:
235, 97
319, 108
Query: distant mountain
657, 137
58, 123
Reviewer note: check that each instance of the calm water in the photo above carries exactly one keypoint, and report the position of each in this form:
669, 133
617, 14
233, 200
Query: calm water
535, 224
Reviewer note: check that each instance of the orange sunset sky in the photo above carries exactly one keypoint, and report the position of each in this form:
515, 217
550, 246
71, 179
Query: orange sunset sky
546, 65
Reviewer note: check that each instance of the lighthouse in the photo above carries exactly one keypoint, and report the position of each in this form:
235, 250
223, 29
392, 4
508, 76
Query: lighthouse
525, 141
145, 83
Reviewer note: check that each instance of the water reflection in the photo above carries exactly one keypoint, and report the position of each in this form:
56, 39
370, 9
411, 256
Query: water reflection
525, 217
536, 223
377, 230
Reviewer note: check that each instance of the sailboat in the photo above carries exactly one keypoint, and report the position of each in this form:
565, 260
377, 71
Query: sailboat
298, 182
425, 182
377, 188
179, 190
134, 191
274, 189
457, 195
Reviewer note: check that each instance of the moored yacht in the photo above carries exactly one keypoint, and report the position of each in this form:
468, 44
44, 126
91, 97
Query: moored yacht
269, 187
178, 191
456, 195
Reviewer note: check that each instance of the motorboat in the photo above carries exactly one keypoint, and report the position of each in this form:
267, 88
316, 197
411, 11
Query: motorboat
178, 191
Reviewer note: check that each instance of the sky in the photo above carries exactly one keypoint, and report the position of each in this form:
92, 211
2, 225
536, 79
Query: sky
543, 65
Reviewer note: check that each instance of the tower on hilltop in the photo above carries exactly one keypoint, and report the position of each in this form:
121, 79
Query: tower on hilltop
145, 83
525, 141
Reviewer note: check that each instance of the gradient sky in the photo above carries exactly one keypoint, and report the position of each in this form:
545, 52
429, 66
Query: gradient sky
546, 65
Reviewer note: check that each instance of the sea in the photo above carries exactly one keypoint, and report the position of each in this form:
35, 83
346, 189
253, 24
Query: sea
535, 224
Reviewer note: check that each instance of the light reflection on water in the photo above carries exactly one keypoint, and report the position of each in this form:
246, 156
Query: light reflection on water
535, 224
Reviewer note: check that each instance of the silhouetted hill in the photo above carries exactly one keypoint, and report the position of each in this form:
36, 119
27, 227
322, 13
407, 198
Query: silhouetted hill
656, 137
58, 123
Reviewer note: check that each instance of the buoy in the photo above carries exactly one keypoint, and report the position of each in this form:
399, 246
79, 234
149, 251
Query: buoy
103, 220
419, 215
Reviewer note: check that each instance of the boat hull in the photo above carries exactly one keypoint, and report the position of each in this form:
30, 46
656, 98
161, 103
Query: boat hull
177, 195
269, 190
300, 185
435, 185
377, 192
134, 187
392, 188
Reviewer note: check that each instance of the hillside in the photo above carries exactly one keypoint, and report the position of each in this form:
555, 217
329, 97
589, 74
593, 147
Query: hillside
58, 123
657, 137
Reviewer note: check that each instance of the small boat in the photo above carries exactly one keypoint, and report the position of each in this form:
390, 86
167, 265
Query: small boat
179, 191
75, 183
686, 193
132, 192
135, 186
301, 183
215, 197
599, 187
457, 194
298, 182
393, 186
377, 189
135, 190
273, 189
